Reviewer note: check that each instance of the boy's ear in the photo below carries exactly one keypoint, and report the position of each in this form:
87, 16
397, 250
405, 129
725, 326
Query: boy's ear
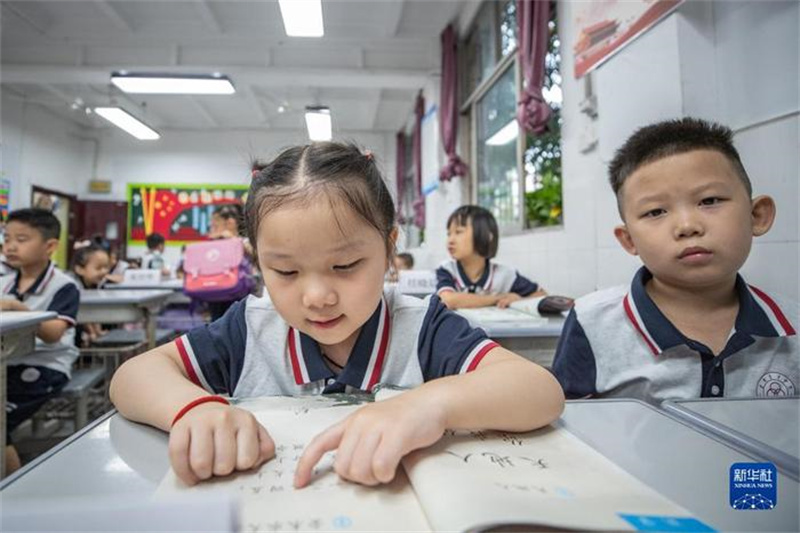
624, 237
763, 214
51, 245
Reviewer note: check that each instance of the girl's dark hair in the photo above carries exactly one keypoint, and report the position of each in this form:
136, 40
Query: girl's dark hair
485, 235
341, 172
81, 256
232, 211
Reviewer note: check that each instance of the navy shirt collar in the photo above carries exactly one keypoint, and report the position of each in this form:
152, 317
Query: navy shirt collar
363, 368
37, 287
758, 315
485, 281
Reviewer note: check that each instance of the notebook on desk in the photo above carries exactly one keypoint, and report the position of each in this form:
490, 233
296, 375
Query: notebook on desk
470, 480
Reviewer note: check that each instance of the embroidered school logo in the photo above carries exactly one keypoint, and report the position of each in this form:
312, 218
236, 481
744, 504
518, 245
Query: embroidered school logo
753, 486
775, 385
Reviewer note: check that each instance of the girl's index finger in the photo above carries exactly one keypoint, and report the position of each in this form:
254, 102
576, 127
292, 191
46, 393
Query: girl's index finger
325, 442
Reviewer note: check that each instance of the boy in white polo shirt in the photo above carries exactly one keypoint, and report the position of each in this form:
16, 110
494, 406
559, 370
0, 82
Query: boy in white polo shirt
688, 326
37, 285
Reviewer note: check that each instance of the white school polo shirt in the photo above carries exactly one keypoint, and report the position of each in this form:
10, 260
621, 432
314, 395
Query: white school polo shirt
618, 343
251, 351
496, 278
55, 291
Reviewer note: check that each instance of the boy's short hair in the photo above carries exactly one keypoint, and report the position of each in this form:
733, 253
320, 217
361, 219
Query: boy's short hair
485, 234
155, 240
407, 258
672, 137
42, 220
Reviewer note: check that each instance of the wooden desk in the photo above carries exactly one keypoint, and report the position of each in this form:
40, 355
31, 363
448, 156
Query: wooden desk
17, 339
764, 427
533, 339
123, 306
690, 468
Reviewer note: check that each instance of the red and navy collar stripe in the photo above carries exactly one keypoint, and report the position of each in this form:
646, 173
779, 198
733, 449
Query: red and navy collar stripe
363, 368
38, 286
758, 315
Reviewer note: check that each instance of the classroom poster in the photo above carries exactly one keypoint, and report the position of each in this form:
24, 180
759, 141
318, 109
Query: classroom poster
605, 26
5, 193
179, 212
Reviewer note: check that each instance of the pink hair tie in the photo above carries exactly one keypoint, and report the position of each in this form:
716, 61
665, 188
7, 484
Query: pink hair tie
254, 173
368, 155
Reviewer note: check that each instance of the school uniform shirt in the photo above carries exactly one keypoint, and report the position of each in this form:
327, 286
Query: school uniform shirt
251, 351
496, 278
617, 343
55, 291
153, 261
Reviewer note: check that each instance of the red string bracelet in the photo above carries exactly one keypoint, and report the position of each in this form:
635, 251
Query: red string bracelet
194, 403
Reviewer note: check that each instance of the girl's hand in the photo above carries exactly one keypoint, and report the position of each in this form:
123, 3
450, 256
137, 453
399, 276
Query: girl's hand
371, 442
214, 440
507, 298
12, 304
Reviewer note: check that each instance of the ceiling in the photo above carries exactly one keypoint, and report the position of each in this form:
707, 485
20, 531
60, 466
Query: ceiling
374, 57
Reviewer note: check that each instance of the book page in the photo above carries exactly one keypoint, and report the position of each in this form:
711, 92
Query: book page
546, 477
268, 499
528, 305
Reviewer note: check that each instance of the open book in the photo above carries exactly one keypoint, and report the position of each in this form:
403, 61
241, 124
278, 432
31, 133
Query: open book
467, 481
523, 312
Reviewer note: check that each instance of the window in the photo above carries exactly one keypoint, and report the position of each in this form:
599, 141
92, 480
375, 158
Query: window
517, 179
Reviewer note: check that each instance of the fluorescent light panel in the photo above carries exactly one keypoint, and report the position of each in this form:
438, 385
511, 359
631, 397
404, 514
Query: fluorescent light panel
125, 121
505, 135
318, 122
144, 83
302, 18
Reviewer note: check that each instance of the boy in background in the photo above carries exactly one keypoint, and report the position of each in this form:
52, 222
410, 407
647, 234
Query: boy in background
688, 326
154, 258
37, 285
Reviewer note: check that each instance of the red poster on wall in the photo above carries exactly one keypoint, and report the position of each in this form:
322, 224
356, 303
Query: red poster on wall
605, 26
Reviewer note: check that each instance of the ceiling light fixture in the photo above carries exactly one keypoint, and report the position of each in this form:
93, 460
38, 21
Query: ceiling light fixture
159, 83
318, 122
125, 121
302, 18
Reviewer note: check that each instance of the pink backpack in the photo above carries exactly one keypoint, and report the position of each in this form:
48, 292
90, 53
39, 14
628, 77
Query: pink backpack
217, 271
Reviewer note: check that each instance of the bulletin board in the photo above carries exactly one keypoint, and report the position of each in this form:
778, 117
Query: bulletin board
179, 212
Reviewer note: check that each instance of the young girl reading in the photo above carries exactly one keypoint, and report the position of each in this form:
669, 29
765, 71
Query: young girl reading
471, 278
321, 221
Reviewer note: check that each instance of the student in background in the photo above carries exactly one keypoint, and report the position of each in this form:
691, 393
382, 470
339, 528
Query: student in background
227, 222
154, 258
401, 261
471, 278
322, 222
37, 285
688, 325
90, 265
117, 266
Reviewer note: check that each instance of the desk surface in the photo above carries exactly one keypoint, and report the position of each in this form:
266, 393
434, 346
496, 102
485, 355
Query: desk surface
683, 464
769, 427
14, 320
169, 285
122, 297
515, 324
115, 456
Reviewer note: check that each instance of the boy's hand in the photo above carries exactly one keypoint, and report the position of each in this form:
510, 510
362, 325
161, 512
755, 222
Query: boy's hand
507, 298
371, 442
11, 304
214, 440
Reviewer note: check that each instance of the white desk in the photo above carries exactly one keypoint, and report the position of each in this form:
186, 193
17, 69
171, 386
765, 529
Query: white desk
532, 339
116, 457
17, 339
765, 427
684, 465
174, 285
123, 306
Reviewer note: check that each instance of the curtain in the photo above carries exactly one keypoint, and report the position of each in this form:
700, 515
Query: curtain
416, 143
401, 173
448, 106
532, 18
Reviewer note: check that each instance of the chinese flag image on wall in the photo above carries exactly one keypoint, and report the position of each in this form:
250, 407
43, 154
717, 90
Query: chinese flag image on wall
181, 213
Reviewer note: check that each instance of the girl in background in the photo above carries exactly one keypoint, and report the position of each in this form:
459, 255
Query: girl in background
322, 223
471, 278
